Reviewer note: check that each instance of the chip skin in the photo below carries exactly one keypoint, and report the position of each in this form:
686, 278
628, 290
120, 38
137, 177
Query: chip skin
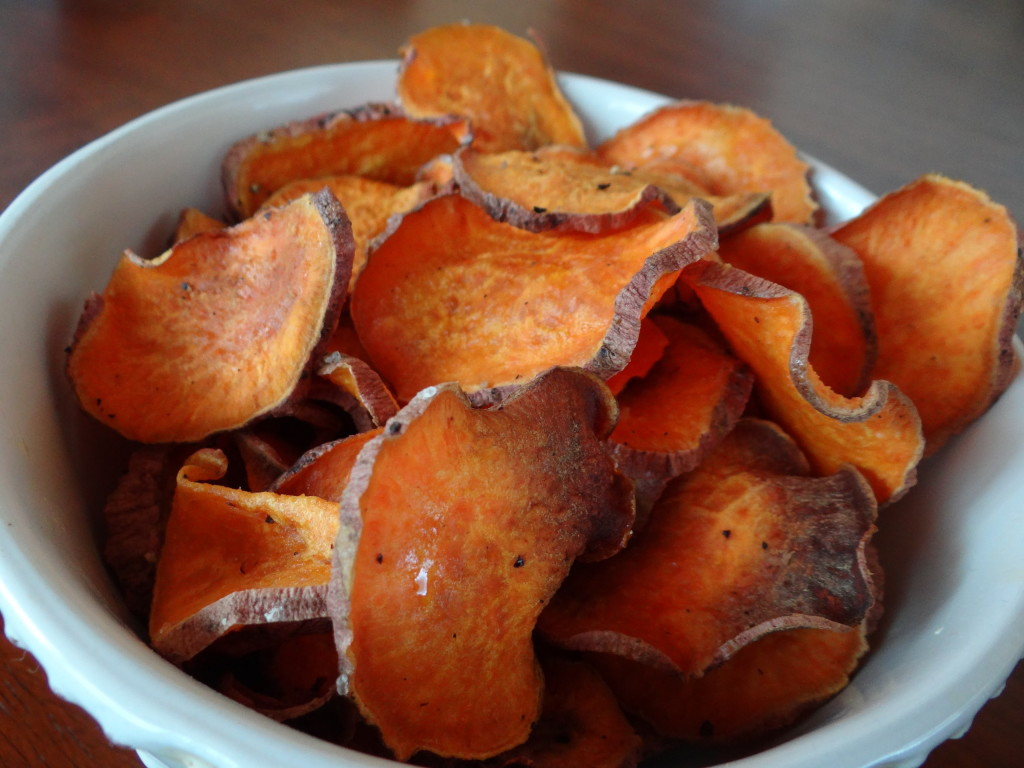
464, 522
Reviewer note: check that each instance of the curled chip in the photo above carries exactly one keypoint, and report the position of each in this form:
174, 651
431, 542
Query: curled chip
767, 685
452, 295
724, 148
324, 471
212, 333
671, 416
192, 221
768, 327
581, 723
232, 558
947, 279
732, 551
470, 520
367, 203
499, 81
377, 141
538, 191
831, 278
356, 379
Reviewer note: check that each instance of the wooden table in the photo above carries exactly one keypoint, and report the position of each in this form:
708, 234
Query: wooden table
883, 91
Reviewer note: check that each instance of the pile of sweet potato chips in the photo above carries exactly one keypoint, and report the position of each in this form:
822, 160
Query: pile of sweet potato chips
467, 441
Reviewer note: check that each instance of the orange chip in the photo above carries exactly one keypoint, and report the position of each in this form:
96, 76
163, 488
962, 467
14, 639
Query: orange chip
232, 558
212, 334
650, 346
499, 81
192, 221
470, 520
324, 471
452, 295
724, 148
831, 278
768, 327
947, 278
377, 141
732, 551
367, 203
765, 686
358, 380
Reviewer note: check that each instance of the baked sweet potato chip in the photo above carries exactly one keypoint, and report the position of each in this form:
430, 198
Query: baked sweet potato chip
377, 141
831, 278
536, 191
768, 327
452, 295
470, 520
724, 148
581, 723
212, 333
358, 380
324, 471
499, 81
731, 551
367, 203
650, 346
192, 221
767, 685
232, 558
947, 278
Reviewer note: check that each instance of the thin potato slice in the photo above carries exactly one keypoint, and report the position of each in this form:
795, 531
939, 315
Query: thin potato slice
650, 346
452, 295
499, 81
324, 471
724, 148
732, 551
768, 327
213, 334
767, 685
192, 221
831, 278
367, 203
581, 723
354, 377
947, 278
232, 558
377, 141
470, 520
538, 192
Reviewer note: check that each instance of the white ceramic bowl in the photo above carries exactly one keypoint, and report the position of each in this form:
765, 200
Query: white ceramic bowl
954, 549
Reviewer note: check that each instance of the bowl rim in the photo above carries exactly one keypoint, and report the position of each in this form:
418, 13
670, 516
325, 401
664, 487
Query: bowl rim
35, 611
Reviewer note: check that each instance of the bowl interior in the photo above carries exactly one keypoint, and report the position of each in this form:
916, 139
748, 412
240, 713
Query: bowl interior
952, 548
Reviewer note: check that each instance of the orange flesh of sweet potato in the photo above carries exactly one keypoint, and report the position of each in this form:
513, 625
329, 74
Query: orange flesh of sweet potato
538, 192
323, 471
767, 685
831, 278
470, 520
581, 723
946, 274
217, 330
452, 295
732, 149
367, 203
768, 328
376, 141
192, 221
650, 346
499, 81
730, 553
232, 557
354, 377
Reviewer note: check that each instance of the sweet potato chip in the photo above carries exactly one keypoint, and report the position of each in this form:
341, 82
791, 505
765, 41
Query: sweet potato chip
192, 221
354, 377
768, 327
947, 277
213, 333
724, 148
672, 416
324, 471
766, 685
470, 520
263, 459
367, 203
452, 295
377, 141
650, 346
232, 558
731, 552
581, 723
499, 81
831, 278
538, 192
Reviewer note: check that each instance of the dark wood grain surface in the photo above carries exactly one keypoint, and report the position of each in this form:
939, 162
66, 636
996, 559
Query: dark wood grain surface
883, 91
